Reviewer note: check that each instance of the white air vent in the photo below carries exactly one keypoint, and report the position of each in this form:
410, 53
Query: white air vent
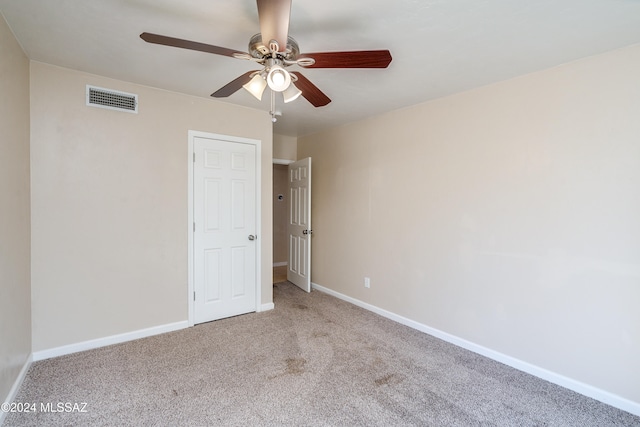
112, 99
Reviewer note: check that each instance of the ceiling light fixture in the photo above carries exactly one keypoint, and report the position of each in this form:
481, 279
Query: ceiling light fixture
278, 78
256, 86
291, 93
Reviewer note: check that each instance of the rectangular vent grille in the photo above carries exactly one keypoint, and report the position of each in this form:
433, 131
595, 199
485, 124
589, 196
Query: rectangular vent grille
112, 99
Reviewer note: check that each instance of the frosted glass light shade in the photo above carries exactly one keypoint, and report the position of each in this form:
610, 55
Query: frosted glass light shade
256, 86
291, 93
278, 79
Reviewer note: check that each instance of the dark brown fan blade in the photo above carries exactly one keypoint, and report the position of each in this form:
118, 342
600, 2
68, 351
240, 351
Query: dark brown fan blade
187, 44
274, 21
355, 59
232, 87
310, 91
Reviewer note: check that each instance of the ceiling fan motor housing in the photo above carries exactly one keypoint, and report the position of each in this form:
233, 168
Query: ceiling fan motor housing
259, 50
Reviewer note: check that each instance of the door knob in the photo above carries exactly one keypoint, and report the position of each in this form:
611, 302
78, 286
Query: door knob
307, 231
252, 237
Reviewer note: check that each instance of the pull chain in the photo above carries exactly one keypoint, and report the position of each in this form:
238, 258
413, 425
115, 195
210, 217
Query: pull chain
273, 107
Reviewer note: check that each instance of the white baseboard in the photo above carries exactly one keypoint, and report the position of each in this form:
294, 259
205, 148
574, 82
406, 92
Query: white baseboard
16, 385
577, 386
267, 307
113, 339
280, 264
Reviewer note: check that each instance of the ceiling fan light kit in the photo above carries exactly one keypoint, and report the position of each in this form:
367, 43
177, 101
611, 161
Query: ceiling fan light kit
256, 86
278, 78
265, 48
291, 93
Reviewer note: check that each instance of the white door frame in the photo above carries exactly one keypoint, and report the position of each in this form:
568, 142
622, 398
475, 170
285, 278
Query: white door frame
190, 214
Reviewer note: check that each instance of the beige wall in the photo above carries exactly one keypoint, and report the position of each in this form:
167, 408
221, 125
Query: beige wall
507, 216
285, 147
280, 213
15, 287
109, 205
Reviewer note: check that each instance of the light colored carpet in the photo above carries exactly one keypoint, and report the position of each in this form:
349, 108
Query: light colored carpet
314, 360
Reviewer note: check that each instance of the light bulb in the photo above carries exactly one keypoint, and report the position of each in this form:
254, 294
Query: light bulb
278, 78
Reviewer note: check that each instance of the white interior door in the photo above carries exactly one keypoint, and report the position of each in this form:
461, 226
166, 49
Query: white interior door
299, 227
224, 241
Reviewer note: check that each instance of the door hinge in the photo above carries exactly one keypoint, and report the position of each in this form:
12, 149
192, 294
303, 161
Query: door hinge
194, 295
194, 226
194, 157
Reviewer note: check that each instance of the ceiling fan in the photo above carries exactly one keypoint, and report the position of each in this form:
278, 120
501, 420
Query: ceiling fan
275, 51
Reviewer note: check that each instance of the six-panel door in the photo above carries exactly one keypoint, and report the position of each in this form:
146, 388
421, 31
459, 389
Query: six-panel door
225, 229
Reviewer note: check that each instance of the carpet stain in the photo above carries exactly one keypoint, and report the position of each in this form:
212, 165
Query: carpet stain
320, 334
175, 393
295, 366
301, 306
388, 379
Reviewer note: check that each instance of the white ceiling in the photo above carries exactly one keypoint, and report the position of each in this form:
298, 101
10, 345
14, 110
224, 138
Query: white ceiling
439, 47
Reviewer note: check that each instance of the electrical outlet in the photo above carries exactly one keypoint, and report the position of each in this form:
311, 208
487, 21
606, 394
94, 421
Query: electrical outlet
367, 282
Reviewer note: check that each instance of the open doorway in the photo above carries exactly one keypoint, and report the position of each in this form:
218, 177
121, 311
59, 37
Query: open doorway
280, 220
